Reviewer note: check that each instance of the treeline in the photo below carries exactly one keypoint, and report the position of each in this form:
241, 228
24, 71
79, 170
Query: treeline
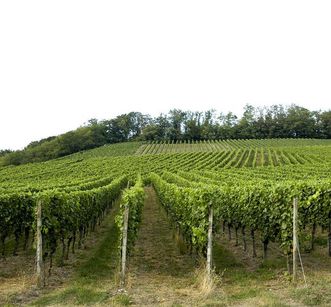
262, 122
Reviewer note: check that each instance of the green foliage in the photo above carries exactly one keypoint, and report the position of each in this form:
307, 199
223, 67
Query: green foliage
262, 205
134, 198
64, 214
188, 208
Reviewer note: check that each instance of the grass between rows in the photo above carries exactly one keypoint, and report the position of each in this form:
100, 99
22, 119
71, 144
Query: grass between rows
95, 278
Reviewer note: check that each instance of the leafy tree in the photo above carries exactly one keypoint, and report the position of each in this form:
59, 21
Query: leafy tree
192, 126
228, 124
176, 120
299, 122
325, 124
209, 126
245, 128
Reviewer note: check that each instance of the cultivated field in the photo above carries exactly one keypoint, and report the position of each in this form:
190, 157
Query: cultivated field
76, 205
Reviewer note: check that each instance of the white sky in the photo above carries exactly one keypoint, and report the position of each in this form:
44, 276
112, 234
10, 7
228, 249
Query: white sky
63, 62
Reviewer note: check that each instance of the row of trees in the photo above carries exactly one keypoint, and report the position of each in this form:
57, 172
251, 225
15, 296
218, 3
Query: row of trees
262, 122
273, 122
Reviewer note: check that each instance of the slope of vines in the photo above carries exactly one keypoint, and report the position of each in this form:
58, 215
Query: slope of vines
243, 202
249, 183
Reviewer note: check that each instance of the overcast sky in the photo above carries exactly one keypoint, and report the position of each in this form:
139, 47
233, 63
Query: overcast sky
63, 62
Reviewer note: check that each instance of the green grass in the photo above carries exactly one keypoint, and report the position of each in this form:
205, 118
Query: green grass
77, 295
268, 283
122, 299
224, 259
243, 285
316, 294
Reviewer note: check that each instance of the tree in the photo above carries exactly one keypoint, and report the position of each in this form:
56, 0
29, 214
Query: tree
300, 122
192, 126
228, 124
176, 119
209, 126
245, 127
325, 124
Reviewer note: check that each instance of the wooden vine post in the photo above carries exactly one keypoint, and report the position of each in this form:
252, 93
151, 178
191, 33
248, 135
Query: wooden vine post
124, 242
210, 244
39, 256
295, 238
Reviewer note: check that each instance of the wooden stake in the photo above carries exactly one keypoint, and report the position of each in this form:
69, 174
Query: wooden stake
265, 249
40, 271
124, 242
288, 264
229, 231
210, 244
253, 243
313, 233
295, 237
244, 238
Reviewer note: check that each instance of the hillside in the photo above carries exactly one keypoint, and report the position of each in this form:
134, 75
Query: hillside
112, 160
250, 185
274, 122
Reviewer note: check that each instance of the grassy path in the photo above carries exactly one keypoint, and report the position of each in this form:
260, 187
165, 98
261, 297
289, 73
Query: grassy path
159, 273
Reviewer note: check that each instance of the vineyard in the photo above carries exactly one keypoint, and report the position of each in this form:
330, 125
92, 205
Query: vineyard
248, 186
